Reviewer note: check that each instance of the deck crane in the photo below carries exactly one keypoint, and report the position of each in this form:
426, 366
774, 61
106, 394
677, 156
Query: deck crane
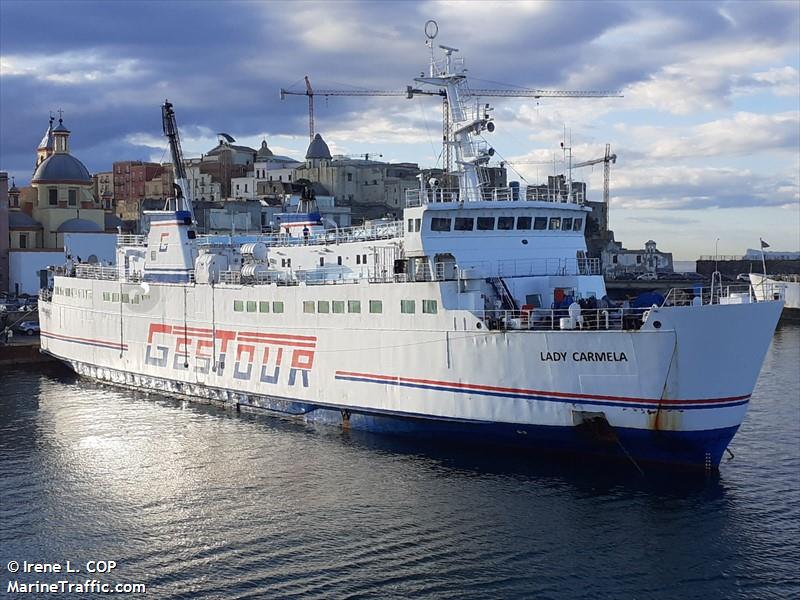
410, 92
183, 194
607, 160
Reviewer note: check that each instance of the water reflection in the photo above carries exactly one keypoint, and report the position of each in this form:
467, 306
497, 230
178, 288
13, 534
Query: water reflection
199, 502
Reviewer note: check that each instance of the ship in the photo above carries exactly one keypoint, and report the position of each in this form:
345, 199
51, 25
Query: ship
478, 317
785, 287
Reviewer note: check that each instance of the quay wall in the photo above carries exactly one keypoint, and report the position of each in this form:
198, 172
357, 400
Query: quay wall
732, 268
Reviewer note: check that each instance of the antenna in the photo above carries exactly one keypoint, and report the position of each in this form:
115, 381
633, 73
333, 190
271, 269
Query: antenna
431, 31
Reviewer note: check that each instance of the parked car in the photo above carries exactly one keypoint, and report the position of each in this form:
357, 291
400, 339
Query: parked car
743, 277
692, 276
9, 306
647, 277
28, 327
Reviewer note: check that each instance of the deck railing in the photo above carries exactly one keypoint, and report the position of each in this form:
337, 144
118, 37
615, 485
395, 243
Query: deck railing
91, 271
124, 239
738, 293
378, 231
561, 319
417, 197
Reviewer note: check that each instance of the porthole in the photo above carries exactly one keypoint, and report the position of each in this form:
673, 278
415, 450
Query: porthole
525, 242
478, 325
657, 324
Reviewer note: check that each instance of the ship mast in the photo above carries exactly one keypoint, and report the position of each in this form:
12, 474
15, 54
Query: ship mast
183, 195
449, 74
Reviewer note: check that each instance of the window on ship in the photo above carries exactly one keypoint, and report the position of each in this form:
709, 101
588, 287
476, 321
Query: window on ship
540, 223
464, 224
440, 224
524, 222
485, 223
555, 223
505, 223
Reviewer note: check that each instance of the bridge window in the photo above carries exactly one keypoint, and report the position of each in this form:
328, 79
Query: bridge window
277, 307
323, 306
375, 306
114, 297
263, 306
430, 307
464, 224
308, 306
251, 306
106, 295
126, 298
566, 224
354, 306
540, 223
338, 306
410, 225
417, 225
407, 307
577, 225
555, 223
440, 224
524, 222
485, 223
505, 223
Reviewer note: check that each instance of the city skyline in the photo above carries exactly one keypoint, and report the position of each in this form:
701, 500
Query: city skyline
707, 133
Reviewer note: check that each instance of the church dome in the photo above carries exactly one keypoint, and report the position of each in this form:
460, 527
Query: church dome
318, 148
264, 151
61, 168
79, 226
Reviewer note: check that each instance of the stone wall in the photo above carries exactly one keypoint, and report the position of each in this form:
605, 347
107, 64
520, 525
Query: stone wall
732, 268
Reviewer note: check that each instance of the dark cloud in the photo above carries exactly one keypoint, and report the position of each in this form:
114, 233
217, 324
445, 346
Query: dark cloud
222, 63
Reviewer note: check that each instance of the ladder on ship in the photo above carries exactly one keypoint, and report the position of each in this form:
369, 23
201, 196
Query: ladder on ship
501, 289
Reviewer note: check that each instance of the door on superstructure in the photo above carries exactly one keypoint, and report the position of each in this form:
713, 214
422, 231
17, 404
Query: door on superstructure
383, 263
444, 266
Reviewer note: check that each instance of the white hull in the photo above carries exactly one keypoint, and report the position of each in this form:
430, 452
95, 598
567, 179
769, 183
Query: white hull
690, 375
765, 288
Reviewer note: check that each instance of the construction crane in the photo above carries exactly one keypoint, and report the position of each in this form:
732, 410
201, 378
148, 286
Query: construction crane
607, 160
410, 92
311, 92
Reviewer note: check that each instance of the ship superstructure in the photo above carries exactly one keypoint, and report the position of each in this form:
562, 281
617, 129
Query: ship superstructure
477, 315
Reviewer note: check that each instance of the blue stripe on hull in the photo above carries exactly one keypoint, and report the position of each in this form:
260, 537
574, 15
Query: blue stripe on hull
697, 449
685, 448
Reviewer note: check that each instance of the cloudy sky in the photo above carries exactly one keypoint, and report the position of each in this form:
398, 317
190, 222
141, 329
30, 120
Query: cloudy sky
707, 134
